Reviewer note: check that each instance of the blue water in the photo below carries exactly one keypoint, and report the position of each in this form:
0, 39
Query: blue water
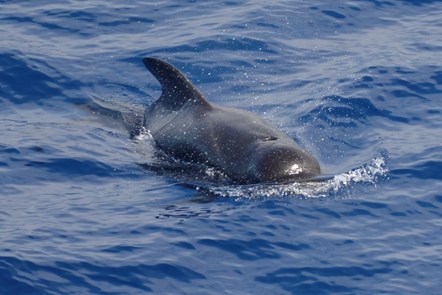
357, 83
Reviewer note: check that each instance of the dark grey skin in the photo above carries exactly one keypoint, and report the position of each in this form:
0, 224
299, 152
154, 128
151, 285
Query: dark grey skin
242, 145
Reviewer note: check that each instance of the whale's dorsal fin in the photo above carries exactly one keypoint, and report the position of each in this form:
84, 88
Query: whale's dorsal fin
177, 90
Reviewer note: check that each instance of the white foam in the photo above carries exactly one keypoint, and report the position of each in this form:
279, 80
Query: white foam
145, 145
317, 189
144, 135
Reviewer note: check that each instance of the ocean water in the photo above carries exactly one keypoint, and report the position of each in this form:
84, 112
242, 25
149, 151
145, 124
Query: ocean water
357, 83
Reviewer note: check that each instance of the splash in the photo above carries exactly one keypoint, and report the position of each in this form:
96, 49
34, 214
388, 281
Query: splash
368, 173
145, 146
213, 182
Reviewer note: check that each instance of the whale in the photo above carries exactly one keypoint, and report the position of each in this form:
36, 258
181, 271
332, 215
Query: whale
238, 143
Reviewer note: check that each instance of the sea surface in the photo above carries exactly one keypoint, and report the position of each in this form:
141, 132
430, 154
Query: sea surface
357, 83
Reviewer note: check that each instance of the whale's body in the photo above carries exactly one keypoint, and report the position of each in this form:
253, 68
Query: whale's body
239, 143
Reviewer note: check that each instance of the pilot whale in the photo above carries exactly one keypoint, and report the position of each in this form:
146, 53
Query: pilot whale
243, 146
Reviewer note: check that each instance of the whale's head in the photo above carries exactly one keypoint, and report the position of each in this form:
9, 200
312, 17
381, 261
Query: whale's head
280, 162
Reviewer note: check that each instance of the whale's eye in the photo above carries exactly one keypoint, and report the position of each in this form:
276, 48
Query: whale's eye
269, 138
